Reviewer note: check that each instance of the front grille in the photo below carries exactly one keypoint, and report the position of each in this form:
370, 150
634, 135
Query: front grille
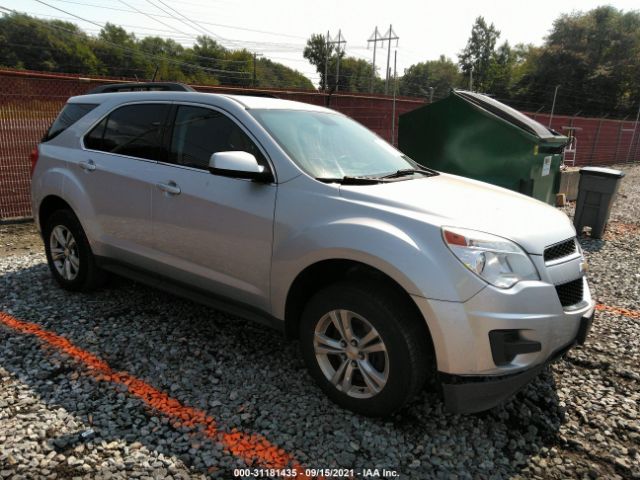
560, 250
570, 293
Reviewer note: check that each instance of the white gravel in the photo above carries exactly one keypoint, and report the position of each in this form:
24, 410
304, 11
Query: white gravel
580, 418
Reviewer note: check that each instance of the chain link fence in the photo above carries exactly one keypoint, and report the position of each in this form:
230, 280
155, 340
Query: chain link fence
29, 102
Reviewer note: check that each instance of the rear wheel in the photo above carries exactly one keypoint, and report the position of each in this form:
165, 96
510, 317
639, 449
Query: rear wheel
365, 347
69, 254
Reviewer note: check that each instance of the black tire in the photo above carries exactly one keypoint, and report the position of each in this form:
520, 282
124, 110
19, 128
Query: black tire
88, 276
402, 331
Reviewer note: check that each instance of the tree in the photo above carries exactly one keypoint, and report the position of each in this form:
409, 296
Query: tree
500, 73
594, 57
355, 74
50, 45
272, 74
167, 50
119, 53
478, 55
318, 51
440, 75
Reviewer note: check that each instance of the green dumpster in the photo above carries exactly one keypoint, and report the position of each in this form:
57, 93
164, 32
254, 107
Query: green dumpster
475, 136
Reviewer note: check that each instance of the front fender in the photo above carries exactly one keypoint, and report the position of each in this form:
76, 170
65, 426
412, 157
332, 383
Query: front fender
402, 256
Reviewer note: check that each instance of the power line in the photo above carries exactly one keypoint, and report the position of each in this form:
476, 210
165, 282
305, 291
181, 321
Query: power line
218, 60
236, 43
201, 22
148, 16
197, 27
211, 59
122, 47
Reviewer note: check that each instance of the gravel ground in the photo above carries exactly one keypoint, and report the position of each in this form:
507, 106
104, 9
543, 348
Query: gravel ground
580, 418
19, 239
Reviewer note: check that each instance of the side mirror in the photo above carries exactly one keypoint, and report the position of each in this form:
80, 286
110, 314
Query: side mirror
238, 164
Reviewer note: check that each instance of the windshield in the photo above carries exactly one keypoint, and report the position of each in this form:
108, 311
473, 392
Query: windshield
328, 145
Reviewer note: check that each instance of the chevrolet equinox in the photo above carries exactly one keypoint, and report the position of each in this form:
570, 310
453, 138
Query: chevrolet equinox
388, 273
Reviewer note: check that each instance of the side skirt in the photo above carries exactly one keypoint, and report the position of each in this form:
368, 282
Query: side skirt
190, 292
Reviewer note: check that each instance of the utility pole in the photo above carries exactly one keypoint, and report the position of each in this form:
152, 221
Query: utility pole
390, 35
633, 136
430, 94
338, 41
326, 62
255, 77
395, 84
374, 39
553, 105
471, 78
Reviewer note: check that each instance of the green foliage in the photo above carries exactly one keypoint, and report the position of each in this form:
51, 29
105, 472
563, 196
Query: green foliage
317, 51
594, 57
45, 45
355, 76
355, 73
52, 46
440, 75
479, 54
272, 74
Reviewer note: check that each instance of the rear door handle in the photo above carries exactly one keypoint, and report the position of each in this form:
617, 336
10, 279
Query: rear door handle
170, 187
87, 166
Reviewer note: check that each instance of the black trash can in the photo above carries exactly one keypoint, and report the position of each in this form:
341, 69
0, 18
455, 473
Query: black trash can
596, 192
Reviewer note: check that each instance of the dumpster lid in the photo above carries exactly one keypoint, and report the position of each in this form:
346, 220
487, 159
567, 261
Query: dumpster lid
602, 172
509, 114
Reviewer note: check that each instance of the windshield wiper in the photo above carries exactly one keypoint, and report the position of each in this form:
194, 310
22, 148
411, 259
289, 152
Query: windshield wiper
410, 171
352, 180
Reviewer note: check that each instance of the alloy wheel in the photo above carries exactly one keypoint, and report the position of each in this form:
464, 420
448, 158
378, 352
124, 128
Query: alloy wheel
351, 354
64, 252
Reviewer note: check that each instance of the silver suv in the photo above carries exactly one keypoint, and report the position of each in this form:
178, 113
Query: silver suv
388, 273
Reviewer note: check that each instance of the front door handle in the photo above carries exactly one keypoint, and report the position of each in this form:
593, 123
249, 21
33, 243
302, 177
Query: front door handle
87, 166
170, 188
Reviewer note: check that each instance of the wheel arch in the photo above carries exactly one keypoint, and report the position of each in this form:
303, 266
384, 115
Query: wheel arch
326, 272
50, 204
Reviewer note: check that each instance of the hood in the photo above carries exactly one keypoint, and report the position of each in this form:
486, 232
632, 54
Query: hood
449, 200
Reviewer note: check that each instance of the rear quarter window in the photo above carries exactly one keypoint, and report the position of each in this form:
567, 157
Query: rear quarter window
70, 114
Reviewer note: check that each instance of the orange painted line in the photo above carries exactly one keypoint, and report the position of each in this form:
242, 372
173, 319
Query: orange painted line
254, 449
618, 310
623, 227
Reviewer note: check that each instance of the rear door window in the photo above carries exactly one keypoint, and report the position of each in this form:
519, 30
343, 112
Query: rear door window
70, 114
200, 132
132, 130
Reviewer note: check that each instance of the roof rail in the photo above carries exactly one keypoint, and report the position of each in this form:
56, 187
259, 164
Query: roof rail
142, 87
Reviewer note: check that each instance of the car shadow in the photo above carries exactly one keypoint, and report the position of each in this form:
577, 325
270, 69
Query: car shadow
247, 377
591, 245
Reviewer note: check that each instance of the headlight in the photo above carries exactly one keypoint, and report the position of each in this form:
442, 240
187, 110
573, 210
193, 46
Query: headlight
496, 260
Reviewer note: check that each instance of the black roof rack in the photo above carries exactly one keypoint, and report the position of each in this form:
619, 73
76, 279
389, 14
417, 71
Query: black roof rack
142, 87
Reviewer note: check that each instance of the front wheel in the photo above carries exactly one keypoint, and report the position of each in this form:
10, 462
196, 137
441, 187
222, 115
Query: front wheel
365, 347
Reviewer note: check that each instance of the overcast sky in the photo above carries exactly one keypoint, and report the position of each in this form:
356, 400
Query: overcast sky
425, 29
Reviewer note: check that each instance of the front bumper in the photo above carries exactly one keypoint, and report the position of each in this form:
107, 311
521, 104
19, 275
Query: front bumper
494, 343
461, 330
463, 394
